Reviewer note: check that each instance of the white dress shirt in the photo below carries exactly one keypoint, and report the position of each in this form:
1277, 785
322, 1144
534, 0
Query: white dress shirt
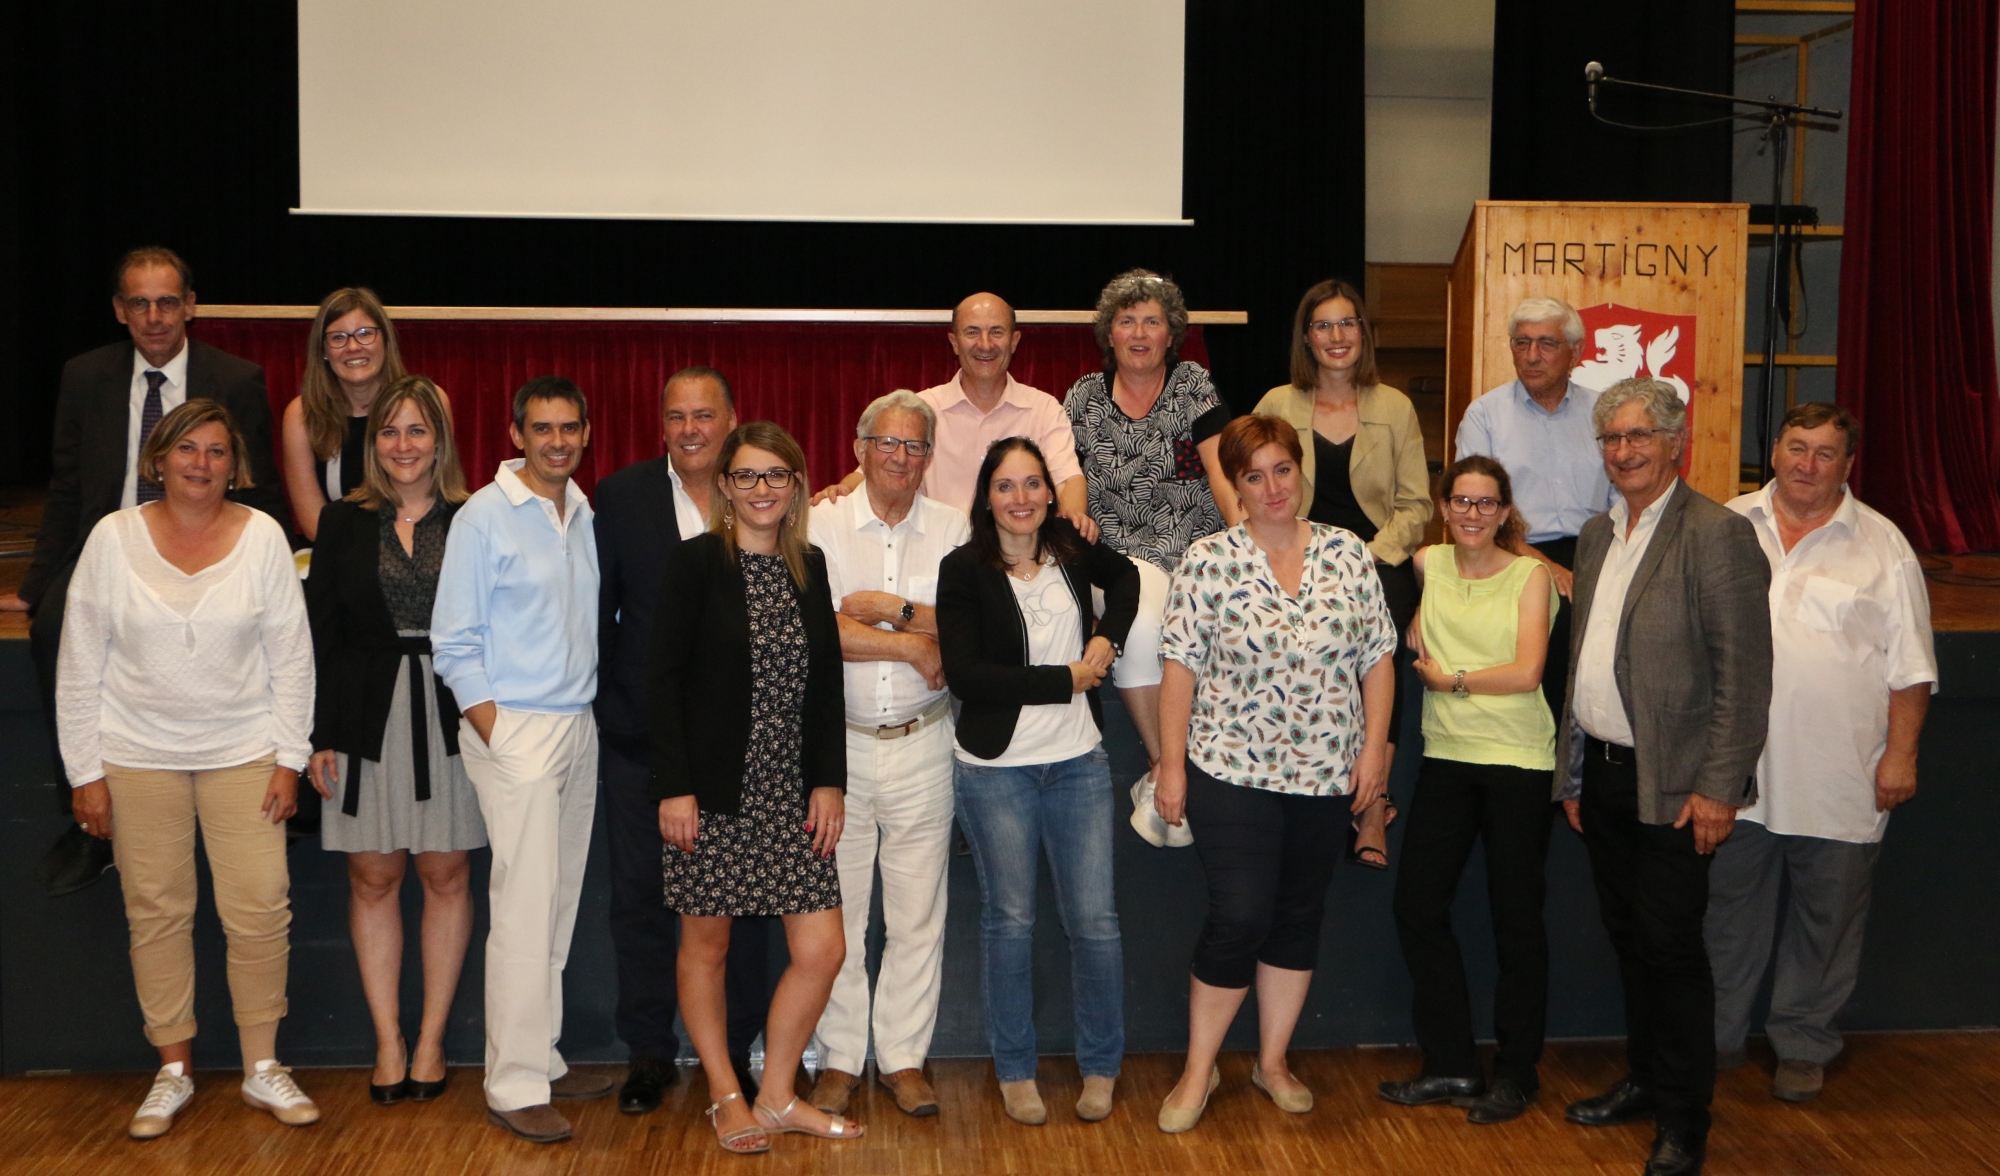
1598, 706
863, 554
1850, 622
691, 519
173, 394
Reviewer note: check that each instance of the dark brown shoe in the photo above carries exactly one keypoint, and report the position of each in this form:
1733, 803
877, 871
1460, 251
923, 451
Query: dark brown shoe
576, 1086
914, 1096
536, 1124
834, 1089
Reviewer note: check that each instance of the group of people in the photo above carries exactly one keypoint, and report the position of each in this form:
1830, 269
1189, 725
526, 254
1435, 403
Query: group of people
784, 695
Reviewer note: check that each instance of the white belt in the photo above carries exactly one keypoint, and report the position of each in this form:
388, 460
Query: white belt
936, 713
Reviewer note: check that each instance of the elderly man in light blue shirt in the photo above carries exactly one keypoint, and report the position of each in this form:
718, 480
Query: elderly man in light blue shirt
514, 634
1538, 426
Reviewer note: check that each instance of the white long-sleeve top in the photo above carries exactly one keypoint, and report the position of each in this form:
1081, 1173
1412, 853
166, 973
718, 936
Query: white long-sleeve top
160, 669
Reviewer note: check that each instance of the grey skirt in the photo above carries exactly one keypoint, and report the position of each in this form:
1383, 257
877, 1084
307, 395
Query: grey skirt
388, 816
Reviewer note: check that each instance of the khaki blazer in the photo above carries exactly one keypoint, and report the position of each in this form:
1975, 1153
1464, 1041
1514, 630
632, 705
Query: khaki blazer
1693, 661
1391, 480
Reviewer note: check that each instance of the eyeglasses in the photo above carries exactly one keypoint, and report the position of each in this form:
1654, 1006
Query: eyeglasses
1542, 343
890, 444
1460, 504
777, 478
365, 337
1346, 326
1637, 438
137, 307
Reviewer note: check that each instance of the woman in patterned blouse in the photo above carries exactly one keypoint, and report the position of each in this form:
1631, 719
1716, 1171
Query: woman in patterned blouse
1147, 427
1274, 715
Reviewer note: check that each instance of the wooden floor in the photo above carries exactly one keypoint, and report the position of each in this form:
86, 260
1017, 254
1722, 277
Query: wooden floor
1917, 1104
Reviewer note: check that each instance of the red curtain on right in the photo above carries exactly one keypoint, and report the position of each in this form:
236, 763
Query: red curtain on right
1916, 276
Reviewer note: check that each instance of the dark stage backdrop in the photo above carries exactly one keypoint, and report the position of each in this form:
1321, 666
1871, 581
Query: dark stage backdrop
1545, 145
137, 124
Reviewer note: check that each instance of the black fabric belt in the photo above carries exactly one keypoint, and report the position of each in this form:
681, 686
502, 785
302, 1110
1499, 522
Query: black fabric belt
414, 650
1613, 753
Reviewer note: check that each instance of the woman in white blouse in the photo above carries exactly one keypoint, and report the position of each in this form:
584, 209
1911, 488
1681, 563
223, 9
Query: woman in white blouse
184, 697
1274, 720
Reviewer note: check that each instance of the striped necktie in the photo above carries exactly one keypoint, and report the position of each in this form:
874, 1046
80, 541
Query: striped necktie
149, 417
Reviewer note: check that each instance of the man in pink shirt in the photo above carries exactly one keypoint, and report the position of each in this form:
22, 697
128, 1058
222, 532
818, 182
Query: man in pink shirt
981, 405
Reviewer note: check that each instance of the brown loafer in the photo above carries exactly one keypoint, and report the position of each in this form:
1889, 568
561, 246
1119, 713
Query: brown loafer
576, 1086
834, 1088
537, 1124
914, 1096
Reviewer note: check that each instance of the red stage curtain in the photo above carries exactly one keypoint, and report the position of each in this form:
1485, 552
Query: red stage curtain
812, 378
1916, 278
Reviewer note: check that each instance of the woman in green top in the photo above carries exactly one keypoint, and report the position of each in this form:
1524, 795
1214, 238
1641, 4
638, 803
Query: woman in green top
1481, 638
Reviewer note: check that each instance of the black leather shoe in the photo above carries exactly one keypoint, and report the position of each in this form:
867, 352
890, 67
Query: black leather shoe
744, 1078
426, 1091
1677, 1152
390, 1095
1424, 1092
645, 1085
74, 862
1625, 1102
1505, 1101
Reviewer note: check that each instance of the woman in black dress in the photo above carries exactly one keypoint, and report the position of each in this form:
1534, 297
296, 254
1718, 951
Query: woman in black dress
351, 355
750, 768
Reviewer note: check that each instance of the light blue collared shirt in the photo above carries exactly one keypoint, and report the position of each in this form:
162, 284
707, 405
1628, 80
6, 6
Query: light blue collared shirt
515, 621
1551, 457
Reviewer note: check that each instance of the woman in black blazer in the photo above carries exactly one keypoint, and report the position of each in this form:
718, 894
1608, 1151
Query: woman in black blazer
750, 768
1025, 652
385, 728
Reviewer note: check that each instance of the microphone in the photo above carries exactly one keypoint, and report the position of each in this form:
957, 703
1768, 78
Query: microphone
1592, 73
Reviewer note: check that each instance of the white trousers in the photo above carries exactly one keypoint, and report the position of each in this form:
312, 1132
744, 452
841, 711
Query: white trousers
537, 788
1140, 664
899, 807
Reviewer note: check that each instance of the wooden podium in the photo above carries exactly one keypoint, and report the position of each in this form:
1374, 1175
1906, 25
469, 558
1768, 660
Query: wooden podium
1660, 288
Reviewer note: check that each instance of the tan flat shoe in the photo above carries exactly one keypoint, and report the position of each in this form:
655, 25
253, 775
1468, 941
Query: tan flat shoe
834, 1088
1296, 1102
1095, 1105
1024, 1102
1174, 1120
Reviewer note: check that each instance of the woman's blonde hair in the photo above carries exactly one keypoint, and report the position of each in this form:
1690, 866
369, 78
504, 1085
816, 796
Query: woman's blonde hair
447, 476
792, 531
320, 394
177, 424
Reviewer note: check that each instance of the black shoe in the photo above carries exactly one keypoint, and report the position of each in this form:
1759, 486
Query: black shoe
1505, 1101
390, 1095
1677, 1152
645, 1084
1625, 1102
744, 1078
426, 1091
1424, 1092
74, 862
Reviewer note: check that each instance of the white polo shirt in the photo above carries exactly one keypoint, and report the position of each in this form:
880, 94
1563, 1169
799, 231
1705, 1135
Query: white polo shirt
1850, 622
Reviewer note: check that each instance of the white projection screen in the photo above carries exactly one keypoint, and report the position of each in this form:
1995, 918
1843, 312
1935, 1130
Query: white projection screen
1054, 111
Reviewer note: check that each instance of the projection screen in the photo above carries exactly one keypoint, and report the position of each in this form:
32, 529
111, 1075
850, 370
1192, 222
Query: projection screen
1059, 111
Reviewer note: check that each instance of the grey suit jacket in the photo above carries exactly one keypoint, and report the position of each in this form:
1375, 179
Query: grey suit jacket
1693, 661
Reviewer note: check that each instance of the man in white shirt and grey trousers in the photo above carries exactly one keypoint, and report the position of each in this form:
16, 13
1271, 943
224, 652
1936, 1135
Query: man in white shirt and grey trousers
514, 634
1852, 677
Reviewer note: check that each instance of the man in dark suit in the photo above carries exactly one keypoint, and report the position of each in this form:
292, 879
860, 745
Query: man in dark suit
111, 398
1669, 699
644, 511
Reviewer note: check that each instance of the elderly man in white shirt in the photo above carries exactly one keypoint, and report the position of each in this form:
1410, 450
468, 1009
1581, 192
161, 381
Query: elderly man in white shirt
1852, 679
882, 551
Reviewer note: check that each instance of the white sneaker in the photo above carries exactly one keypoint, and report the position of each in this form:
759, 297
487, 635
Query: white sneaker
171, 1091
271, 1089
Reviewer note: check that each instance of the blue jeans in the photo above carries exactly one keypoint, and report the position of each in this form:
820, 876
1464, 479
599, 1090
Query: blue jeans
1009, 816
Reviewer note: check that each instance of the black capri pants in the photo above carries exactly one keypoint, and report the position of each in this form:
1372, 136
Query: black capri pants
1269, 857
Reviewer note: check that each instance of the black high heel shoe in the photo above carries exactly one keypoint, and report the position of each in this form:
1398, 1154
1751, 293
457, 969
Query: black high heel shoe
394, 1092
426, 1091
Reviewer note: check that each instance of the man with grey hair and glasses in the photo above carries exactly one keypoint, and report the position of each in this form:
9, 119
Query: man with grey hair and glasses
883, 545
1538, 426
1669, 700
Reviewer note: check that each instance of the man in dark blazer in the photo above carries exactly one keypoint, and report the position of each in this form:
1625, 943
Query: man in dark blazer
1669, 699
644, 511
99, 414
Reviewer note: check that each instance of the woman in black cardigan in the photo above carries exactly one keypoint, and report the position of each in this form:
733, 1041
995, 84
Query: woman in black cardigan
385, 728
750, 769
1025, 652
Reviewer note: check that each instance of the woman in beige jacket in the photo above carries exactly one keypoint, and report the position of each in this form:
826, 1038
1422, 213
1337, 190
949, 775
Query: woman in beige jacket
1364, 470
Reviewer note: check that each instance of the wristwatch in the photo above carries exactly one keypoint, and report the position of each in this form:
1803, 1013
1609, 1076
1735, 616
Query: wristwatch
909, 611
1458, 685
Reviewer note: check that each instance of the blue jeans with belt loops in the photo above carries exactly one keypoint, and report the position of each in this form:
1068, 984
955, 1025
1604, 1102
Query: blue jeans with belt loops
1011, 815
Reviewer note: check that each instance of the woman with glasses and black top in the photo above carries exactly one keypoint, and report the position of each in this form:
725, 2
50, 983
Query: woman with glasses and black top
1363, 463
1025, 652
749, 741
1489, 746
351, 355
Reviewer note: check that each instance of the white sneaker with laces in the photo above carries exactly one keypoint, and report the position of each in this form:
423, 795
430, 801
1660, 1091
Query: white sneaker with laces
171, 1091
271, 1089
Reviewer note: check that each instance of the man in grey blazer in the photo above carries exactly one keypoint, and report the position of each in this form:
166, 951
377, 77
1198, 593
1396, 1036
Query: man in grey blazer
1669, 698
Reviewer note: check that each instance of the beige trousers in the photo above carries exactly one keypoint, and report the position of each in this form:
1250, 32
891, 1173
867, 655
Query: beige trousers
153, 818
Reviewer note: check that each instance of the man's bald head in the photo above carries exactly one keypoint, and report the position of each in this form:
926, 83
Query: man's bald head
984, 336
981, 306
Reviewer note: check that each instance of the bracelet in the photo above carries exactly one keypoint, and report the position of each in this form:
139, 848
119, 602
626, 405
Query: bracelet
1458, 685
